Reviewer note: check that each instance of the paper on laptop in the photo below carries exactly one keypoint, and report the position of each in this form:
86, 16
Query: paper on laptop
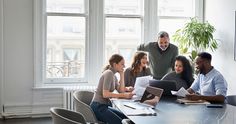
140, 84
181, 92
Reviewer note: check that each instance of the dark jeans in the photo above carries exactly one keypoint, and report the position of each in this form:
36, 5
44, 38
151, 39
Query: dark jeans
107, 114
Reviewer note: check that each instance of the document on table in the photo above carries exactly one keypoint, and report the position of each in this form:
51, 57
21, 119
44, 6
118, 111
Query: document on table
186, 101
139, 112
181, 92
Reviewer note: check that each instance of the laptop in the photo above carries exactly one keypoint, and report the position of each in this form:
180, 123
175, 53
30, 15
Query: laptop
150, 98
167, 85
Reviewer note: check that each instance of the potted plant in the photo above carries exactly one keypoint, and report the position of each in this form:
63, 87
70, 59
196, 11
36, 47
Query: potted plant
195, 37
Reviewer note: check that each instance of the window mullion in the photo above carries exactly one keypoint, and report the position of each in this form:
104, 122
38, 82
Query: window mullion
150, 20
66, 14
122, 16
96, 44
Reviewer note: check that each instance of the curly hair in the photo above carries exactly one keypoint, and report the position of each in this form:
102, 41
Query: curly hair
187, 73
135, 65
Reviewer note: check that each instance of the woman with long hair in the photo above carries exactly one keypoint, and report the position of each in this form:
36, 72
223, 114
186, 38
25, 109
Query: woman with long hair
107, 84
183, 74
138, 68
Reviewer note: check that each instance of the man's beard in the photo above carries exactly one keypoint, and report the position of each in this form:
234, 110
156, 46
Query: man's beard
163, 48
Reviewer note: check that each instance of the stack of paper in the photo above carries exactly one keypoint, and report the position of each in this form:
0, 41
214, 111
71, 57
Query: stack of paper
186, 101
182, 92
140, 112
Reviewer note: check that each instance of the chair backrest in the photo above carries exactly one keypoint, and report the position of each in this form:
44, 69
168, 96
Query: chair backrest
82, 100
64, 116
167, 85
231, 99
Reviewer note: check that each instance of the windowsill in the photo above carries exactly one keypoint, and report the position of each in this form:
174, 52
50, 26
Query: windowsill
62, 85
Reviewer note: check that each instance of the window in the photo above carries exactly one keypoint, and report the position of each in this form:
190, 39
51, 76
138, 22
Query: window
123, 22
66, 33
74, 38
173, 14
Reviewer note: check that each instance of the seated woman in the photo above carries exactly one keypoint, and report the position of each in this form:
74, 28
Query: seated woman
183, 74
107, 84
138, 68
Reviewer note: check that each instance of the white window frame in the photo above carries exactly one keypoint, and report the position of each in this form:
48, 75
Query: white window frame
95, 40
2, 68
199, 4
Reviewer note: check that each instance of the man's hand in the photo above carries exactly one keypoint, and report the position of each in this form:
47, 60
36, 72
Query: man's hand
193, 97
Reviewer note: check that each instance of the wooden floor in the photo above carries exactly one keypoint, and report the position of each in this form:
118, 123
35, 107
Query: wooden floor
45, 120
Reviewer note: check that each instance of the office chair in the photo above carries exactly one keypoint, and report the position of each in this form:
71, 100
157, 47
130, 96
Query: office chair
231, 99
64, 116
167, 85
82, 100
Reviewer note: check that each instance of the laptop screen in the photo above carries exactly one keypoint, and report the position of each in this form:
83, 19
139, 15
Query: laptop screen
151, 95
167, 85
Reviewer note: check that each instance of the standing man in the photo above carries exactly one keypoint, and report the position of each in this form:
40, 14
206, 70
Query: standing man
210, 83
161, 55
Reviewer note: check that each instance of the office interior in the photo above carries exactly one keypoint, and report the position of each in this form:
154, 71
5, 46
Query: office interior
22, 92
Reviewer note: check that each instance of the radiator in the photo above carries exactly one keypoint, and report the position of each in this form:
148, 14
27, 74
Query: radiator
68, 95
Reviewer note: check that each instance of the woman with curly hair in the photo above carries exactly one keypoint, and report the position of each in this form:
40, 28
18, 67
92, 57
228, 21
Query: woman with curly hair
138, 68
183, 74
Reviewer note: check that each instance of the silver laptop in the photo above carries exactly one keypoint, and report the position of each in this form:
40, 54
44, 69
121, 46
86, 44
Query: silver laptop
150, 98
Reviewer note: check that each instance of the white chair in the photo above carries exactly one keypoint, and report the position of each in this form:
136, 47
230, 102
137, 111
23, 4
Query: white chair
231, 99
64, 116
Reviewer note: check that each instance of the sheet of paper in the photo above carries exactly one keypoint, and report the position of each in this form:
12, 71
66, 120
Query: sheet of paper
139, 112
140, 84
181, 92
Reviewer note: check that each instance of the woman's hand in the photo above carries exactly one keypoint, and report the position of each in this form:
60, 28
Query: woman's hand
129, 89
128, 95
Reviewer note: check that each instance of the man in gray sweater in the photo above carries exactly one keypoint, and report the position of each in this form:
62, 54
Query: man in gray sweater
161, 55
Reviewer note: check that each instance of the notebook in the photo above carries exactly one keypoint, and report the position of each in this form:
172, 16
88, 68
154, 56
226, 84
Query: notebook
150, 98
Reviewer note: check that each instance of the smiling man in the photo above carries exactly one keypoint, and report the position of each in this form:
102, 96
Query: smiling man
210, 83
161, 55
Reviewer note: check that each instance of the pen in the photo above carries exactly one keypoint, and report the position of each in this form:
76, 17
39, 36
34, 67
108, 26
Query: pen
129, 107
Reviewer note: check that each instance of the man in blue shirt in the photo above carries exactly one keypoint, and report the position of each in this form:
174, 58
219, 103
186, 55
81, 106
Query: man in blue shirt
210, 83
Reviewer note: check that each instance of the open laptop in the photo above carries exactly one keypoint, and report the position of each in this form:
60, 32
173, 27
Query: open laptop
150, 98
167, 85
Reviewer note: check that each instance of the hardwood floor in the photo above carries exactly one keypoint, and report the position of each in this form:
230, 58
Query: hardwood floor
45, 120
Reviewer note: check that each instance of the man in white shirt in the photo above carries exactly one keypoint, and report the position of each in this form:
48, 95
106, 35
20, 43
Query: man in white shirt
210, 83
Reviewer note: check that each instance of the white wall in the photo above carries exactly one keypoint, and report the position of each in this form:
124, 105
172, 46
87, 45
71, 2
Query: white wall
221, 14
17, 60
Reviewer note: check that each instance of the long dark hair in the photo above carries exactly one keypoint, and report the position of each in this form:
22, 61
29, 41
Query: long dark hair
115, 58
187, 73
135, 66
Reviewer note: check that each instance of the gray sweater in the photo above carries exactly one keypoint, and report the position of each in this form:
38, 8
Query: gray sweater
161, 62
130, 79
177, 78
108, 81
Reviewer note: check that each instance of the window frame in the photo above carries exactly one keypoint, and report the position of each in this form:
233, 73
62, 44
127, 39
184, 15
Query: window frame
95, 41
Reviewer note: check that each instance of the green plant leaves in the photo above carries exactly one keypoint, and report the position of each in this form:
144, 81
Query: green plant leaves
195, 37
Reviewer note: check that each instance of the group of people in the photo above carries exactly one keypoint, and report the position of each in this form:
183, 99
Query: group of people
164, 64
